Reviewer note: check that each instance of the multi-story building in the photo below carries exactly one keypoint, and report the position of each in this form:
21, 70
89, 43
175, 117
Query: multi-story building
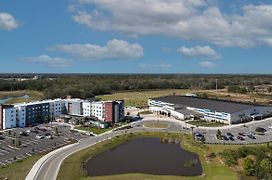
7, 116
73, 107
105, 111
37, 112
56, 107
98, 111
28, 114
20, 115
228, 112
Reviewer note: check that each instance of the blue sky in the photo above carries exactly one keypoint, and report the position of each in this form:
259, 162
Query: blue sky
135, 36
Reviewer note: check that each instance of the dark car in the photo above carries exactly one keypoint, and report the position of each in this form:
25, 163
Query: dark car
23, 133
251, 136
259, 129
225, 138
240, 138
231, 138
229, 134
241, 134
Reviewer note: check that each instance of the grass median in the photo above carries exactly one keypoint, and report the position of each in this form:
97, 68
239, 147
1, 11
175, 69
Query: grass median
155, 125
94, 129
18, 169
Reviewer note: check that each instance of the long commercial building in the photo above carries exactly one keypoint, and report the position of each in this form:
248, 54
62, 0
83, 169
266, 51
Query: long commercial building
29, 114
229, 112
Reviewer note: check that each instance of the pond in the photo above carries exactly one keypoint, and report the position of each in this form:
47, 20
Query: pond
145, 155
3, 101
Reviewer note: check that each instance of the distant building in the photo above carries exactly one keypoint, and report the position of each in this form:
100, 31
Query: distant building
228, 112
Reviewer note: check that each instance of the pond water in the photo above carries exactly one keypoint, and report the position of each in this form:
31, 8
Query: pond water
3, 101
145, 155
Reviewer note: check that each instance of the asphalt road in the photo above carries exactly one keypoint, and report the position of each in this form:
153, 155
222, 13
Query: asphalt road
47, 167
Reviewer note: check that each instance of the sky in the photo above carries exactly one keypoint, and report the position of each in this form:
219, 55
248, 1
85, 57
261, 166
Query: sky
136, 36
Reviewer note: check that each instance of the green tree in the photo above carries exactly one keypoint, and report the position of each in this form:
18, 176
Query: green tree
218, 134
266, 166
249, 166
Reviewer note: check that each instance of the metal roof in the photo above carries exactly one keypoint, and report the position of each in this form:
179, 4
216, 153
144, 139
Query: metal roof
201, 103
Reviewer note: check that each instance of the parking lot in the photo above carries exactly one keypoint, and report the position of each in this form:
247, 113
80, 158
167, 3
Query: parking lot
20, 143
247, 132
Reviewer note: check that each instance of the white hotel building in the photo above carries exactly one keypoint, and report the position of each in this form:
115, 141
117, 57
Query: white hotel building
28, 114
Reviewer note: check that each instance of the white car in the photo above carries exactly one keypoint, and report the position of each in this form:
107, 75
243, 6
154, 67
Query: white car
38, 136
270, 127
49, 136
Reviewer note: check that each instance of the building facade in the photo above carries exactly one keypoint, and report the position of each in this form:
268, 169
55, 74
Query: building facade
29, 114
9, 118
73, 107
182, 107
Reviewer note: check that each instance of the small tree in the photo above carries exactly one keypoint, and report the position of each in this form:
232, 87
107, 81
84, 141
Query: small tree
218, 134
266, 167
248, 166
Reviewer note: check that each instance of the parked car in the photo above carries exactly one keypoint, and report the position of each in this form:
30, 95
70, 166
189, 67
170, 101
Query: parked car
241, 134
251, 136
231, 138
23, 133
225, 138
240, 138
48, 136
229, 134
34, 131
39, 136
260, 129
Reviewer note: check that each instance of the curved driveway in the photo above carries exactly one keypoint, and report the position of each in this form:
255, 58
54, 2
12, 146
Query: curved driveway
48, 166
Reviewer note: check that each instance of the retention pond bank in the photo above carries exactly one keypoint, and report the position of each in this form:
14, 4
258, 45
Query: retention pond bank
145, 155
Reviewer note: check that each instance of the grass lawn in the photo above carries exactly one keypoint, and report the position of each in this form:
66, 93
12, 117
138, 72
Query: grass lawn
19, 169
72, 166
155, 125
206, 123
16, 96
93, 129
140, 98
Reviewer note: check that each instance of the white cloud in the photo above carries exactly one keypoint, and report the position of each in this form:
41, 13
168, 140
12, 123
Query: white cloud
7, 21
199, 51
114, 49
49, 61
187, 19
207, 64
160, 65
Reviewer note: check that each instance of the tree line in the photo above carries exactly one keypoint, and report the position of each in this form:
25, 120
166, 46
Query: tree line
89, 85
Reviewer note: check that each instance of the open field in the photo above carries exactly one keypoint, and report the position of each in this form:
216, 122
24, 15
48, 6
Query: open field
249, 97
19, 169
213, 169
16, 96
140, 98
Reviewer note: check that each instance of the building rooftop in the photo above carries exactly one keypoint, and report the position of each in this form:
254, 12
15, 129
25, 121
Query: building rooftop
202, 103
